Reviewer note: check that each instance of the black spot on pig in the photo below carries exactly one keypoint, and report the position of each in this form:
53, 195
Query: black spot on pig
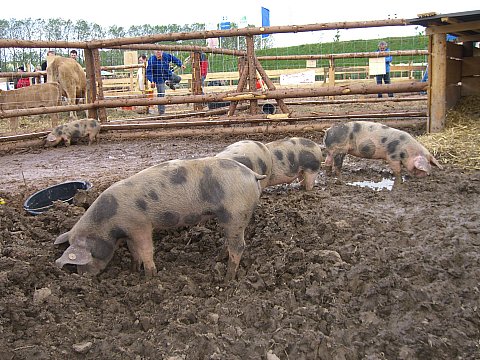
293, 164
178, 176
259, 144
308, 160
336, 134
105, 207
307, 143
226, 164
101, 249
392, 146
402, 155
262, 166
169, 218
403, 137
384, 140
385, 127
278, 154
367, 149
245, 161
77, 125
129, 183
117, 233
192, 219
293, 141
223, 215
141, 204
152, 194
357, 127
338, 160
211, 190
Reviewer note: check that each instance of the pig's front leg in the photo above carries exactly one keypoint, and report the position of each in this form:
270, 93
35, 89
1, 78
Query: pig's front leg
141, 249
307, 179
235, 246
396, 167
338, 163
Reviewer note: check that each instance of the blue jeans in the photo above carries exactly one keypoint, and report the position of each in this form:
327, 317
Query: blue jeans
386, 80
175, 79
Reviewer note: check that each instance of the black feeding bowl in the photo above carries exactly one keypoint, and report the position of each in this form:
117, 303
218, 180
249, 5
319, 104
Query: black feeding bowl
42, 200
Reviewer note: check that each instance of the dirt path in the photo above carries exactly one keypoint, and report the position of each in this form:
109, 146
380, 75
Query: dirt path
341, 272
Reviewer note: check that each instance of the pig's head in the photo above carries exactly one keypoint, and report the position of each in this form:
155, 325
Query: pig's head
420, 165
90, 253
52, 139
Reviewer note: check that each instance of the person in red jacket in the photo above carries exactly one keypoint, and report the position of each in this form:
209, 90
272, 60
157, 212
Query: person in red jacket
203, 67
23, 81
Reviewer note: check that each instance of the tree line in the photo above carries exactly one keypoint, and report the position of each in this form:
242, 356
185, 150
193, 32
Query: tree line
66, 30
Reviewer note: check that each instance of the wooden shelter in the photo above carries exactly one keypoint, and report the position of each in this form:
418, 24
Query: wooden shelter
454, 67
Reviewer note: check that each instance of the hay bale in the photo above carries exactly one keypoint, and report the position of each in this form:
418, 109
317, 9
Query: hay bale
459, 143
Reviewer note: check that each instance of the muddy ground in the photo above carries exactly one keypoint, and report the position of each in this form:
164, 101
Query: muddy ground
341, 272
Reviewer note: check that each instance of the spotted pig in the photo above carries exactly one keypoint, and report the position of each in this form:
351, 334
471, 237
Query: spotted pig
172, 194
295, 158
253, 154
372, 140
73, 131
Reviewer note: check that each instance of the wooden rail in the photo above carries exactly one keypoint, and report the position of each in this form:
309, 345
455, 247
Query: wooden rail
127, 86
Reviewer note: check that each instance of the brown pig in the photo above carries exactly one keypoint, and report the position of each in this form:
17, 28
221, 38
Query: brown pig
372, 140
294, 158
74, 130
253, 154
172, 194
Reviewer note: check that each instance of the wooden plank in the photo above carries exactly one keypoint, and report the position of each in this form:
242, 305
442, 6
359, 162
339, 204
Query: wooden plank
453, 94
454, 71
471, 66
454, 50
437, 75
453, 28
470, 86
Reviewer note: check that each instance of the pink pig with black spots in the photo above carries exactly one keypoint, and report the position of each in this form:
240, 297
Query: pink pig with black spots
172, 194
373, 140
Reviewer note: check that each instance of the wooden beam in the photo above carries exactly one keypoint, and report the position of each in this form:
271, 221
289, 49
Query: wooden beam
468, 38
364, 88
437, 76
362, 55
453, 28
91, 95
252, 73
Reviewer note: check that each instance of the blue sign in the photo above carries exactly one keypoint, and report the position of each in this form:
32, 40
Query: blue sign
265, 19
225, 25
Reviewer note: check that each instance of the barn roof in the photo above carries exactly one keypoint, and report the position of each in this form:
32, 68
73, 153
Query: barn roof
465, 25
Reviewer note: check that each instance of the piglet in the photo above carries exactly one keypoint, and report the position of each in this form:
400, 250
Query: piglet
372, 140
253, 154
295, 158
172, 194
73, 131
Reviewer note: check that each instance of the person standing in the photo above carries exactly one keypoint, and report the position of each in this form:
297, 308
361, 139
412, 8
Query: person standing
159, 74
142, 59
203, 68
383, 47
74, 54
22, 81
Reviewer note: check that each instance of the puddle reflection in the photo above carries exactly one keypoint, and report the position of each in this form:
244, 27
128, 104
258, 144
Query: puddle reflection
377, 186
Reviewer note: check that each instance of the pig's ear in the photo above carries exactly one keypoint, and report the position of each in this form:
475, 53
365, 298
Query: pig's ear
62, 238
74, 255
435, 162
421, 163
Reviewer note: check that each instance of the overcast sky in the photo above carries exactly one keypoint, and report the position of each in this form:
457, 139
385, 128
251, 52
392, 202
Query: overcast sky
107, 13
